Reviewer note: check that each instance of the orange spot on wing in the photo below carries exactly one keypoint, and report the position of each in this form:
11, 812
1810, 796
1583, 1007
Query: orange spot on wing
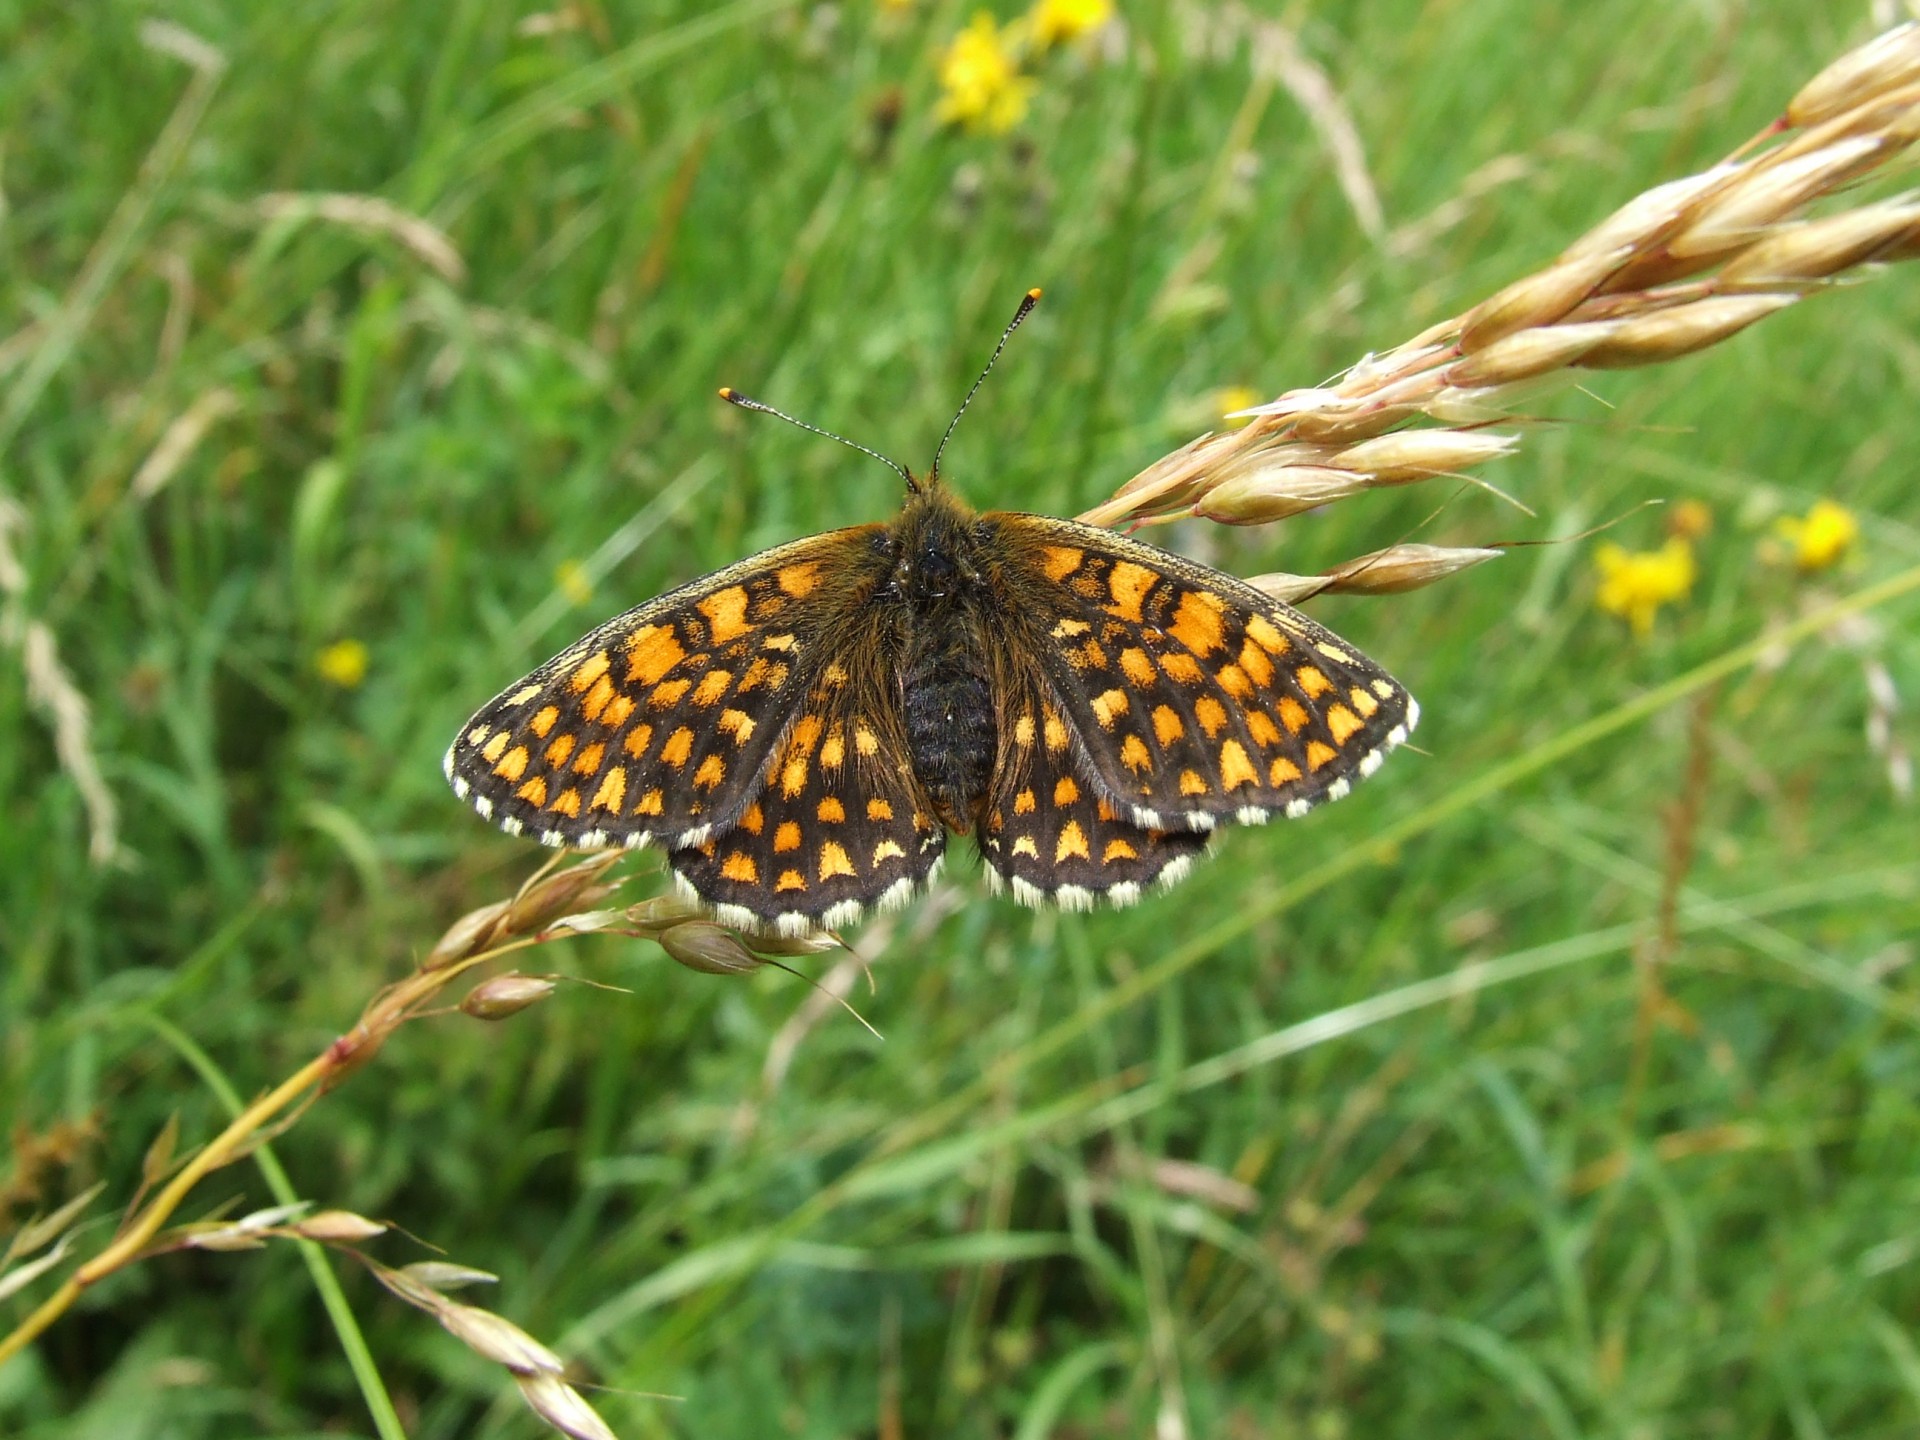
1234, 681
678, 747
513, 764
1263, 730
736, 723
1134, 754
1073, 842
834, 861
497, 746
637, 740
1129, 584
1196, 621
830, 810
1342, 722
1192, 782
1023, 731
1024, 803
534, 792
1108, 706
711, 772
1211, 714
541, 723
1118, 850
1060, 561
589, 760
1318, 754
1056, 733
567, 802
1065, 792
613, 790
617, 711
887, 850
1311, 681
712, 686
1181, 667
786, 837
1293, 715
559, 750
726, 612
1363, 702
879, 810
1281, 771
1235, 769
648, 804
652, 652
755, 820
1025, 846
1266, 635
597, 698
1137, 667
865, 741
1254, 661
800, 580
740, 868
1167, 725
589, 670
790, 880
833, 750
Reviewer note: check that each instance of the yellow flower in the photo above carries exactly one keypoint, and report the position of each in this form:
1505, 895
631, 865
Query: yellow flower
980, 80
1821, 537
343, 663
1057, 20
1230, 398
571, 577
1690, 519
1635, 584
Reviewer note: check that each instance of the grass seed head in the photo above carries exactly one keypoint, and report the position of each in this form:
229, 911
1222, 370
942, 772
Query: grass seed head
468, 935
709, 948
1400, 568
1539, 299
1884, 63
562, 1406
1277, 491
1681, 330
1408, 455
502, 995
340, 1227
495, 1338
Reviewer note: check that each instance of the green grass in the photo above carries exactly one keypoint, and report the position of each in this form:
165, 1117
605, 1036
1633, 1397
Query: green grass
1465, 1214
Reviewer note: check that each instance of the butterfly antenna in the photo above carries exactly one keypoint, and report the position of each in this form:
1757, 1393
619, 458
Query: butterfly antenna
1027, 302
734, 397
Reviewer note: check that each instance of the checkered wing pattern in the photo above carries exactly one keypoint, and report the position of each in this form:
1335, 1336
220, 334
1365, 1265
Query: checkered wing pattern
1049, 833
1193, 698
840, 825
661, 724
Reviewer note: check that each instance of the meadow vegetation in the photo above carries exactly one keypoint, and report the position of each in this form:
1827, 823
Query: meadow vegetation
1562, 1081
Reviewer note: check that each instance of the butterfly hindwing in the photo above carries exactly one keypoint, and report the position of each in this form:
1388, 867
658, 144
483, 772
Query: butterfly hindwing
660, 724
1052, 835
840, 825
1195, 698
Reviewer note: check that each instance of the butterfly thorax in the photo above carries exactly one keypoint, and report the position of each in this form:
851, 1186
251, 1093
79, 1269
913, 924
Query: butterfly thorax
938, 583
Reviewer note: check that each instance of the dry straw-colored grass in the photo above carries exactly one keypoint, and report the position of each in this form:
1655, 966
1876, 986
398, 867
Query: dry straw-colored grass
1676, 270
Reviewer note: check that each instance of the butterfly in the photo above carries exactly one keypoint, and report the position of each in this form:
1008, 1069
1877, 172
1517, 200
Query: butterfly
802, 730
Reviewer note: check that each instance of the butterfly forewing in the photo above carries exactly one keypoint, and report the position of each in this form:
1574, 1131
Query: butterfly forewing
840, 824
1193, 697
660, 725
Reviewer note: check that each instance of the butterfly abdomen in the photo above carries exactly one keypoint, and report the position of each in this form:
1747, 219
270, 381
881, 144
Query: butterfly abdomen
949, 715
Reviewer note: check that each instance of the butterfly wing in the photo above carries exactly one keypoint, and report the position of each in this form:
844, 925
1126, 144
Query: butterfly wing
1051, 835
1194, 698
660, 725
840, 824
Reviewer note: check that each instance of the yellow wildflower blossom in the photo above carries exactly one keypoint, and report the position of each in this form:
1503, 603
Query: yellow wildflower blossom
343, 663
1820, 537
980, 80
1635, 584
571, 577
1055, 21
1231, 398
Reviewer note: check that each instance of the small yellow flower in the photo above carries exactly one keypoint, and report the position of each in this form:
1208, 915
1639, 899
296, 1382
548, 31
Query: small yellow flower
980, 80
1055, 21
1230, 398
1820, 537
1634, 584
1690, 519
343, 663
571, 577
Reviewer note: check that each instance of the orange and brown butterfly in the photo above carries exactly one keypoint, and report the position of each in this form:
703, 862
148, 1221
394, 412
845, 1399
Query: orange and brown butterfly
801, 730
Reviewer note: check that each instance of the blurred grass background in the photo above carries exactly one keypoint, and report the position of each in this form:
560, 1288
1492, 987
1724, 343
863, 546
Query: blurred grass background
1565, 1205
